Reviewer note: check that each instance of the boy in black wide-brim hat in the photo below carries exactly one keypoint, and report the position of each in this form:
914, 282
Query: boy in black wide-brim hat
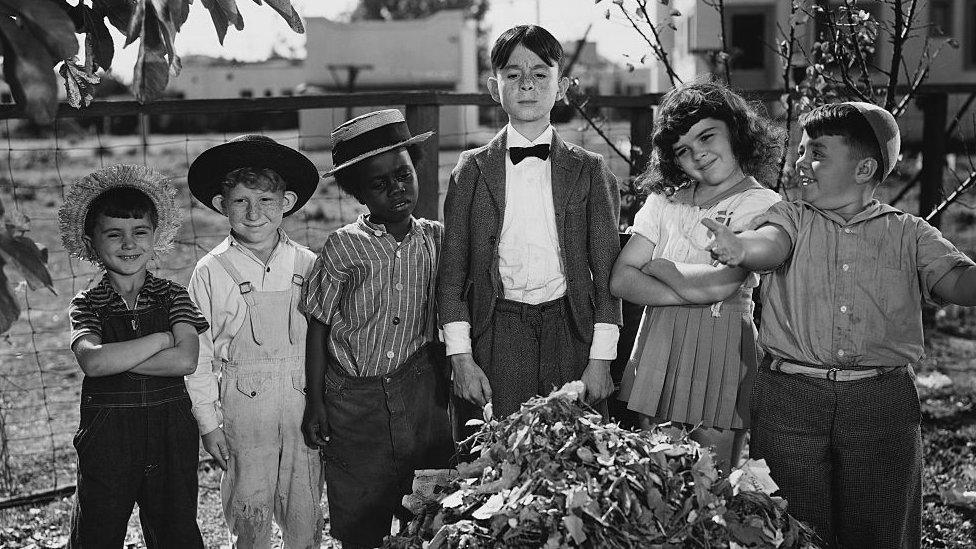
378, 389
248, 288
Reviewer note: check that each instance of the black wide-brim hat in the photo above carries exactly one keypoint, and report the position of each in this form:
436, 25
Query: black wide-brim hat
252, 151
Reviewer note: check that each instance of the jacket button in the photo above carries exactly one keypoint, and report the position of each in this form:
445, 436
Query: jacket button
396, 320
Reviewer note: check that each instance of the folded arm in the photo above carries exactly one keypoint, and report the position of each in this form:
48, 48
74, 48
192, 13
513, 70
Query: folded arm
697, 283
627, 281
104, 359
178, 360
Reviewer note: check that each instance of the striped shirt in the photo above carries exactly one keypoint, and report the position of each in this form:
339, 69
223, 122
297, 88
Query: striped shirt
84, 307
375, 293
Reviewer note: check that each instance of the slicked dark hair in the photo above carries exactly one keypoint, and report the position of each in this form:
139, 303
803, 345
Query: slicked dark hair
349, 178
756, 142
120, 203
535, 38
843, 120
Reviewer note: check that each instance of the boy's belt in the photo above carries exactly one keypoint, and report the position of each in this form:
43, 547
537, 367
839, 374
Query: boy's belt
833, 374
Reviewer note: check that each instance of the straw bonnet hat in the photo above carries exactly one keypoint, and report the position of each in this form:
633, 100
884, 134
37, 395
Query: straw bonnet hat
369, 135
252, 151
71, 216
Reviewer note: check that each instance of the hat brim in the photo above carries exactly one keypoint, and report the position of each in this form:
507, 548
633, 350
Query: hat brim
413, 140
209, 169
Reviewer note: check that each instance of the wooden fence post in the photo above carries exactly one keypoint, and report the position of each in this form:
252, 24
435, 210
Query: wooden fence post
641, 128
425, 118
935, 107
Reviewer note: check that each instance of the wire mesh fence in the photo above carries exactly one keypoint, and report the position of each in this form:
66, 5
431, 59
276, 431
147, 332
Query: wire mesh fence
40, 381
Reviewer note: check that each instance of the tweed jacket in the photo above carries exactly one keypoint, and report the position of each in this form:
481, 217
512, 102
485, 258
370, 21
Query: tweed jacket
586, 202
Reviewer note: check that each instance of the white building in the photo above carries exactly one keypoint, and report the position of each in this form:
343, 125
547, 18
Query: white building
204, 77
436, 53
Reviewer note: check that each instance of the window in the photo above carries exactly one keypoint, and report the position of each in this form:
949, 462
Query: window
268, 93
970, 38
747, 40
5, 97
247, 93
940, 18
287, 92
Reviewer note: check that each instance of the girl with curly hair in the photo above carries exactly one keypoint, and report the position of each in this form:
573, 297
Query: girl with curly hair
695, 355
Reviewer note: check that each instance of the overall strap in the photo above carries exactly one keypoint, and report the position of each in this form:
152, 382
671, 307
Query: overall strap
297, 280
246, 289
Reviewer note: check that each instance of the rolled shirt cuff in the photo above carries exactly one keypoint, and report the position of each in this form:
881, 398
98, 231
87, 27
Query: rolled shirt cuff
604, 345
208, 417
457, 337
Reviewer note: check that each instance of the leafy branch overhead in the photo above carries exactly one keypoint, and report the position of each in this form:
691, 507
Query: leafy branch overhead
37, 35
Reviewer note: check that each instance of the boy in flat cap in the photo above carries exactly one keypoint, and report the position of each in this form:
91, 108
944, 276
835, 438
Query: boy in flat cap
248, 287
135, 337
835, 409
378, 388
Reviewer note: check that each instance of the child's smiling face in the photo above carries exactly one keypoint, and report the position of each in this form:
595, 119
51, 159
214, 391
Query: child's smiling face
527, 89
254, 214
124, 246
705, 153
830, 175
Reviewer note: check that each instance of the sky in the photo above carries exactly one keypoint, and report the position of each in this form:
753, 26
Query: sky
264, 29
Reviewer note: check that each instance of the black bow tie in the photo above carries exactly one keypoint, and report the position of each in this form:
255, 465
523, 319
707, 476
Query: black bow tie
519, 154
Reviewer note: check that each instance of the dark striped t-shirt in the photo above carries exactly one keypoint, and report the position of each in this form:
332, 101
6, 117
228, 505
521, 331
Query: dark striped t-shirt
83, 311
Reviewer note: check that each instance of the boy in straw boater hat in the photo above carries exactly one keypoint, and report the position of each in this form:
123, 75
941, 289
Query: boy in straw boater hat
248, 286
377, 399
835, 409
135, 336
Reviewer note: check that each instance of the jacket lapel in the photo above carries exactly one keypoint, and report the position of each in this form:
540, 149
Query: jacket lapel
491, 162
566, 168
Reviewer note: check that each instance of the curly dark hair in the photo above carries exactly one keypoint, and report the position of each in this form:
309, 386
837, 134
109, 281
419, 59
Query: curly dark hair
756, 142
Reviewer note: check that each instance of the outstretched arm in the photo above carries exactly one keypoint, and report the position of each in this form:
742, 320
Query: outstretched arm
762, 249
627, 281
958, 286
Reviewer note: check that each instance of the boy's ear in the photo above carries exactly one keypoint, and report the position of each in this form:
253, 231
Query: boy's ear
89, 245
865, 170
493, 89
563, 84
289, 200
218, 203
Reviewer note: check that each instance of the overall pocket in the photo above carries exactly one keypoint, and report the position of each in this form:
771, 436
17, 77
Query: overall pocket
92, 418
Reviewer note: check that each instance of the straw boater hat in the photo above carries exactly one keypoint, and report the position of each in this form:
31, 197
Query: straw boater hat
885, 131
369, 135
157, 187
252, 151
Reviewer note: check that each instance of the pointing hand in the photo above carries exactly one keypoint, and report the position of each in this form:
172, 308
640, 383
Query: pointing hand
725, 246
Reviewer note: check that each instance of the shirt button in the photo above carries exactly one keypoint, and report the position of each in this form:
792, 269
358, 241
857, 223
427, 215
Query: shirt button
398, 254
847, 230
843, 308
269, 270
845, 266
396, 320
378, 232
399, 286
390, 354
840, 352
254, 393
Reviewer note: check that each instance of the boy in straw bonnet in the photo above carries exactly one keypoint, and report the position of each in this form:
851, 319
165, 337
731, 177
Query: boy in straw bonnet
135, 337
377, 399
835, 409
248, 286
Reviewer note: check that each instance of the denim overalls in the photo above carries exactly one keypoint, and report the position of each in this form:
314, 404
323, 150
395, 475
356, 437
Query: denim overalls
262, 394
137, 442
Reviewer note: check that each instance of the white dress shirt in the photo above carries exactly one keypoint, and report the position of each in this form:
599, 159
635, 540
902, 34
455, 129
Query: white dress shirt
529, 258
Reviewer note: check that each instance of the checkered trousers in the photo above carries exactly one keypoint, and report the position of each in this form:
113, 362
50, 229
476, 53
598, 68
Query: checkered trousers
847, 455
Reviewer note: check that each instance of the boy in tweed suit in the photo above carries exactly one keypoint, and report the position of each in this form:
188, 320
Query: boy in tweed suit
835, 411
530, 238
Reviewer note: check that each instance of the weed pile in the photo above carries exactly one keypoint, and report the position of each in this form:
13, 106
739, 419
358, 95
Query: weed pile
554, 475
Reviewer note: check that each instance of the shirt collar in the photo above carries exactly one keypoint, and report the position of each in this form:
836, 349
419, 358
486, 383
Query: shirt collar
685, 195
372, 228
514, 139
872, 210
150, 286
283, 240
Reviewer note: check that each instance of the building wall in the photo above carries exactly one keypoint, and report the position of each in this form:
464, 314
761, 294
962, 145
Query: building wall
204, 79
436, 53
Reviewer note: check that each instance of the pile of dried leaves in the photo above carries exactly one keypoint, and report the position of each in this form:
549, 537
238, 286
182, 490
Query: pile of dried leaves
553, 475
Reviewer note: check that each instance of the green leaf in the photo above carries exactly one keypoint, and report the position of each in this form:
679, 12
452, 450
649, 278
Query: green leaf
27, 68
574, 525
224, 13
119, 12
48, 21
288, 12
79, 85
9, 308
137, 23
27, 258
97, 38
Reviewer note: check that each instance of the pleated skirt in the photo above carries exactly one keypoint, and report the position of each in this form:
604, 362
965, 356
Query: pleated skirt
692, 367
